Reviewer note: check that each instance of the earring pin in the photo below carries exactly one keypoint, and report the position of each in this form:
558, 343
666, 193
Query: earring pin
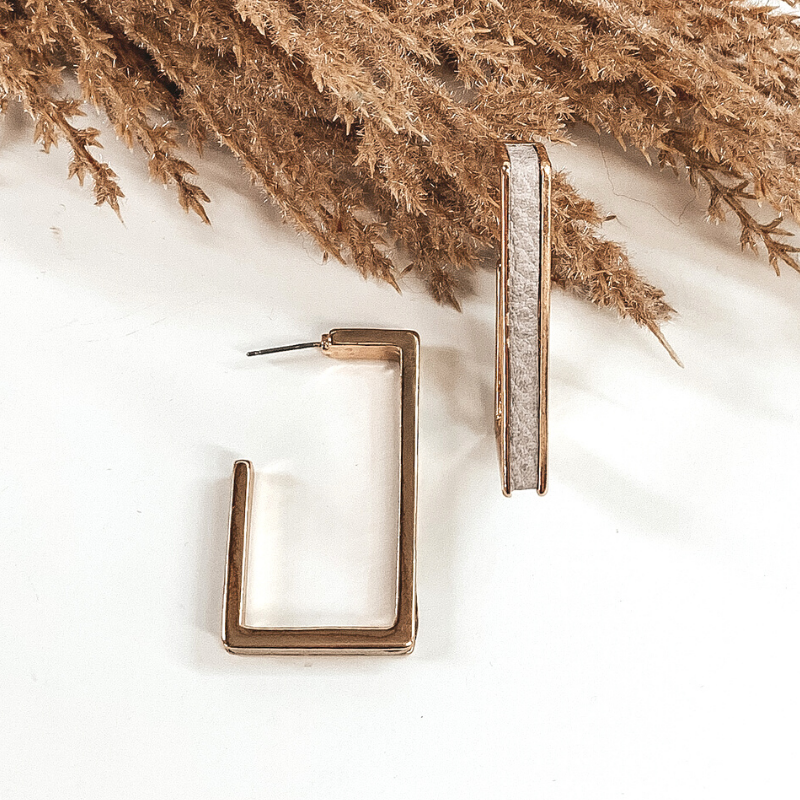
285, 348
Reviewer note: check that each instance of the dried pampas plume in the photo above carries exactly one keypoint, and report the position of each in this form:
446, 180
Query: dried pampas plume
374, 125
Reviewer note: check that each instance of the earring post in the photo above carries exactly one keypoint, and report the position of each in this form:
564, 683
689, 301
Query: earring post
268, 350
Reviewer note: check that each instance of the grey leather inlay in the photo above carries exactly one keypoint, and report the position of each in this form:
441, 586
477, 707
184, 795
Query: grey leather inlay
524, 275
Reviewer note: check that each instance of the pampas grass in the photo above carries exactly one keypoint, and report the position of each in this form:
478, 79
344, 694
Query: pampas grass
374, 126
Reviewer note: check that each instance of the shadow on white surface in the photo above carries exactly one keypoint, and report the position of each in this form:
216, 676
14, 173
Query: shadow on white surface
208, 571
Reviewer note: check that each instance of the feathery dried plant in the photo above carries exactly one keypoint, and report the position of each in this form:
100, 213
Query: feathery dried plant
374, 124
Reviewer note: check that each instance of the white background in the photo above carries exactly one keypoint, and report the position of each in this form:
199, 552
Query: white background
632, 634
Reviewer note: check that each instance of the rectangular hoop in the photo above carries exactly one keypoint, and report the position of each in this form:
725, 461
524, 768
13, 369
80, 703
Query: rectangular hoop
523, 313
400, 346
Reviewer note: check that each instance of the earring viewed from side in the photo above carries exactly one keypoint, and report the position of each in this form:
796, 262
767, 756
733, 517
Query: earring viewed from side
523, 315
394, 345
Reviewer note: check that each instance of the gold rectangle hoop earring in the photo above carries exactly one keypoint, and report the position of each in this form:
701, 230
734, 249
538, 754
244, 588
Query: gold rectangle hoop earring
394, 345
523, 315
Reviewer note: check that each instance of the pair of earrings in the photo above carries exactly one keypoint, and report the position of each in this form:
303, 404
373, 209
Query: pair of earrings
523, 300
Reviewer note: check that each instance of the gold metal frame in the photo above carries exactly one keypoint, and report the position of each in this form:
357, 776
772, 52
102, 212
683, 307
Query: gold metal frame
395, 345
502, 371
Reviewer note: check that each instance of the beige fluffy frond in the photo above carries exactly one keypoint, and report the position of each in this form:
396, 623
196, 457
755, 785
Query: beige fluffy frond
374, 125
